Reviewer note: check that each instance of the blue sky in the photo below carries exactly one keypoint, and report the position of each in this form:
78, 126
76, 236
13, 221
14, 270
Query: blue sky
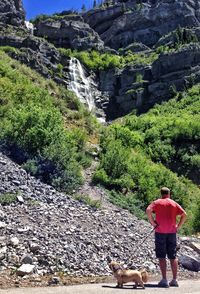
35, 7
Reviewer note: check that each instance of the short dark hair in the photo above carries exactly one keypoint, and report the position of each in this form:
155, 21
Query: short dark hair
164, 191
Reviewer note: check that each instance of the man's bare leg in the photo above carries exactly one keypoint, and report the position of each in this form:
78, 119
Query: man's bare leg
163, 267
174, 267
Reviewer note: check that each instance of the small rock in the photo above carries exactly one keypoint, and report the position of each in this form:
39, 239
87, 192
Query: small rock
25, 269
20, 199
27, 259
14, 241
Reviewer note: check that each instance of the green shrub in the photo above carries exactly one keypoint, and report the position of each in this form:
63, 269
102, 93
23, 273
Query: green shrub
102, 61
101, 177
168, 134
31, 166
8, 198
129, 202
88, 200
115, 160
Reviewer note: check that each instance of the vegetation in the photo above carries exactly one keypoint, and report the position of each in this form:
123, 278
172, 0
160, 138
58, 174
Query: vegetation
138, 153
56, 16
7, 198
88, 200
44, 127
179, 39
101, 61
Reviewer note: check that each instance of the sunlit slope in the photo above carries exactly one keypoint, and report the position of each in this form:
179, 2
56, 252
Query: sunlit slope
43, 126
141, 153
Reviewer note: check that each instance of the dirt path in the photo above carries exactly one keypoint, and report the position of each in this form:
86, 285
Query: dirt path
95, 192
186, 287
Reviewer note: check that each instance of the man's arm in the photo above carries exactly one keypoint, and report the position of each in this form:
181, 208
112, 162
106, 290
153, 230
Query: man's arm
182, 220
149, 212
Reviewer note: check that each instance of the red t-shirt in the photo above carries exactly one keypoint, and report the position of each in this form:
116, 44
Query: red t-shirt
166, 211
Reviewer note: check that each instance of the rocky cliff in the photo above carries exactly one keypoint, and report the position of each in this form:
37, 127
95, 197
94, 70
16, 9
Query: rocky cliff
146, 22
12, 12
147, 26
69, 31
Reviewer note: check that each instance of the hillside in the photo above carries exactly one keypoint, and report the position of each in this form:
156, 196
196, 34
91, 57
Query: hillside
98, 110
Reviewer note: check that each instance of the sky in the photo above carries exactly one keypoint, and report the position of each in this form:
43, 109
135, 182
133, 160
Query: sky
35, 7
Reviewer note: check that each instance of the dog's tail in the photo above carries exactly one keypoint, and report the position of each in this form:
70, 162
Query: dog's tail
144, 275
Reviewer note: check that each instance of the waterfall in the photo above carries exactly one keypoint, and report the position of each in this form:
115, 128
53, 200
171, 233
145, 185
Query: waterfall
30, 27
80, 84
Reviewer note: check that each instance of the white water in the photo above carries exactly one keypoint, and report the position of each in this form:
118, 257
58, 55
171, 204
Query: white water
80, 84
29, 26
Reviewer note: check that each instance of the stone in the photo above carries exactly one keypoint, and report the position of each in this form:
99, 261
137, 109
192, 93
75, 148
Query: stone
189, 262
20, 199
34, 247
195, 246
2, 225
25, 269
27, 259
14, 241
12, 12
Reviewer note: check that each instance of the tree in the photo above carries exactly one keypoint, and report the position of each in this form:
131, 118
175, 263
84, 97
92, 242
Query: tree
83, 8
94, 4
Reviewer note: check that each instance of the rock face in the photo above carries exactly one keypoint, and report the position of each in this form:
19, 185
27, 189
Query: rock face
171, 74
34, 52
142, 87
69, 32
134, 26
125, 89
12, 12
142, 21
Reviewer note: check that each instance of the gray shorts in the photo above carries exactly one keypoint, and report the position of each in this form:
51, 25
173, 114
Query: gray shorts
165, 245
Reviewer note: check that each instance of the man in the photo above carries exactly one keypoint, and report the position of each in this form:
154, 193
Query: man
166, 210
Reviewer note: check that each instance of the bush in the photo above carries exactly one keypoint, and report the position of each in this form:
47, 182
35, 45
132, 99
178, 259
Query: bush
88, 200
7, 198
115, 160
101, 177
129, 202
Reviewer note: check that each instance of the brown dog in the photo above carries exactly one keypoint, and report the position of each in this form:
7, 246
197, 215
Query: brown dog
127, 275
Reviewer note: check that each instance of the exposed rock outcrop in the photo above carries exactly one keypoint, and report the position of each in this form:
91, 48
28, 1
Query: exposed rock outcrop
69, 31
12, 12
171, 74
142, 21
142, 87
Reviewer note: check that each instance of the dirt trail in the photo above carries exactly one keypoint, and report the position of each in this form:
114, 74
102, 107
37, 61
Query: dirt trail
94, 192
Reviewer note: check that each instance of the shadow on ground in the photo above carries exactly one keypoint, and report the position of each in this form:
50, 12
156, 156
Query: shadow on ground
131, 287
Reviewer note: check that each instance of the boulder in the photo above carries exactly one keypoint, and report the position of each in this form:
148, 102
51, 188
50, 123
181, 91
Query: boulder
189, 262
12, 12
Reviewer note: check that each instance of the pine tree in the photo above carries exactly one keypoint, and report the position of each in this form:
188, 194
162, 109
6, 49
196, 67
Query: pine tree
94, 4
83, 8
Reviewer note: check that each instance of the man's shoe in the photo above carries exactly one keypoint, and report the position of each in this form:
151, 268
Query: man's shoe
163, 283
173, 283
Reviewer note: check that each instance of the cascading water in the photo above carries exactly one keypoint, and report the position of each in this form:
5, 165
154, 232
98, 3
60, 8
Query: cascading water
80, 84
